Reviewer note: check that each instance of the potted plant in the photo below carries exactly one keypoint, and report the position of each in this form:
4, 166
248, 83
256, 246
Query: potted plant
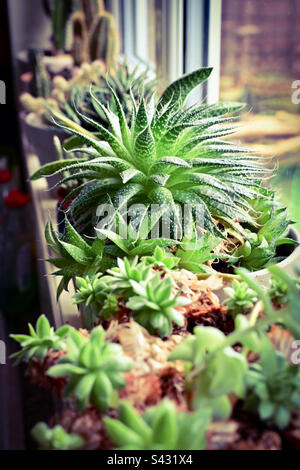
162, 363
38, 124
132, 387
52, 98
174, 158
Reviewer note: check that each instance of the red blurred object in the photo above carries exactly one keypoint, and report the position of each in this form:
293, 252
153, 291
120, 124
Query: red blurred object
61, 194
5, 176
16, 199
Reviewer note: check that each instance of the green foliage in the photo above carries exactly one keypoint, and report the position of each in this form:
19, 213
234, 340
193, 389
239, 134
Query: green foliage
136, 241
279, 290
76, 257
161, 259
103, 40
193, 254
273, 387
159, 428
168, 156
94, 367
260, 247
56, 438
40, 85
122, 82
154, 306
190, 254
59, 14
145, 292
289, 316
121, 279
95, 292
240, 298
213, 370
40, 340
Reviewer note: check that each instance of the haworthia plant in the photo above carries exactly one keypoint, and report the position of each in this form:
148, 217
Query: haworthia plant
169, 156
75, 256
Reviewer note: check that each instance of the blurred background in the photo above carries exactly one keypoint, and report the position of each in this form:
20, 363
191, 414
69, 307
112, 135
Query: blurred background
254, 48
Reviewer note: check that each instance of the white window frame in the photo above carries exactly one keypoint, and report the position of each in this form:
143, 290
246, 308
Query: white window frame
214, 50
184, 23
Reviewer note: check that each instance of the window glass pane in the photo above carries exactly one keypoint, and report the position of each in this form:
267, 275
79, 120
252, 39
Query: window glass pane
259, 64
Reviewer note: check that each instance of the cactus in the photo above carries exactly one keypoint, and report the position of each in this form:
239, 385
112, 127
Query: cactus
103, 40
92, 9
77, 30
59, 12
40, 85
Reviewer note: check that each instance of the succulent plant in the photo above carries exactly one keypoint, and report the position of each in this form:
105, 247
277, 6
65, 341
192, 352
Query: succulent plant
69, 95
162, 259
148, 295
92, 34
273, 387
40, 340
94, 367
96, 293
121, 279
77, 36
259, 249
40, 85
279, 290
159, 428
214, 370
289, 315
124, 79
59, 13
168, 156
103, 40
75, 256
56, 438
134, 241
194, 254
91, 291
190, 254
240, 298
154, 306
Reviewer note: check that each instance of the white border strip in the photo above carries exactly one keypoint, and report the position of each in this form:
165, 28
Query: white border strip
214, 50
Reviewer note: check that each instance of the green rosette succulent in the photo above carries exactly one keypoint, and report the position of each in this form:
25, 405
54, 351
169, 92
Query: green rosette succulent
40, 340
56, 438
154, 306
94, 368
159, 428
240, 298
273, 387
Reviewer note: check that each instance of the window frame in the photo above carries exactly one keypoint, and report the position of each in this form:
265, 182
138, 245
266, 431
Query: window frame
185, 24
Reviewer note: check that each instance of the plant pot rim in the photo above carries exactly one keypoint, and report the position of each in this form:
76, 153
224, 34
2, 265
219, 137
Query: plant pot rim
33, 120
